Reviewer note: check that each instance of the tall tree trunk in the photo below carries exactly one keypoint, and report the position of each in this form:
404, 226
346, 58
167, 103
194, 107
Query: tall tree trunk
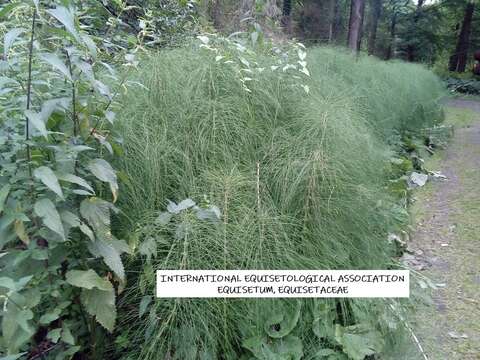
458, 60
411, 48
357, 8
215, 13
334, 20
375, 13
287, 15
391, 45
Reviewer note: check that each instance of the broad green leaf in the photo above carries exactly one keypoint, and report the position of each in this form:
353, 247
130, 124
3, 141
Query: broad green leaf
90, 44
263, 348
87, 231
88, 279
53, 315
163, 219
97, 213
46, 210
101, 304
67, 336
56, 63
148, 248
183, 205
54, 334
283, 319
36, 121
4, 191
13, 285
74, 179
66, 17
104, 172
110, 255
10, 38
49, 179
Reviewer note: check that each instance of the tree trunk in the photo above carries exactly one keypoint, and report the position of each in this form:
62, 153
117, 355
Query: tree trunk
357, 8
215, 13
411, 48
287, 16
374, 17
458, 60
391, 45
334, 20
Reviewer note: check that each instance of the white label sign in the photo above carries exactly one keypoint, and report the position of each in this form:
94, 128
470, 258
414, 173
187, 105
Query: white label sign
283, 283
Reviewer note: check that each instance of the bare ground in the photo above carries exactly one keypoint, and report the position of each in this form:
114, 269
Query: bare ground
446, 244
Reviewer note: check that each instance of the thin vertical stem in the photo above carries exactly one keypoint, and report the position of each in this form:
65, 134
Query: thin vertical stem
29, 90
74, 106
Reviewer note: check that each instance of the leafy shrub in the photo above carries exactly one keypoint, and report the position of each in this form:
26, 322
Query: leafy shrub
297, 164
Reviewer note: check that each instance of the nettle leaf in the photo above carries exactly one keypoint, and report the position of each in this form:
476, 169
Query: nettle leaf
74, 179
97, 213
183, 205
101, 304
56, 63
66, 17
88, 279
110, 256
103, 171
46, 210
10, 38
36, 121
49, 179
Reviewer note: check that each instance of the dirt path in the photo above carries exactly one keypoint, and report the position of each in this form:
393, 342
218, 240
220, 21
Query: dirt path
446, 243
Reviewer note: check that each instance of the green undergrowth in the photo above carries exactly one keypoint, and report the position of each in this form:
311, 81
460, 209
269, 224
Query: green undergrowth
300, 177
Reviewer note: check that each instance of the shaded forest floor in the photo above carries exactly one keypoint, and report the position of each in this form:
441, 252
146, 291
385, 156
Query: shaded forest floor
446, 242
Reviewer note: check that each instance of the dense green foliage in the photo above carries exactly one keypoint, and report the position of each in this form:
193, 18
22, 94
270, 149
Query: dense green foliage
299, 178
226, 153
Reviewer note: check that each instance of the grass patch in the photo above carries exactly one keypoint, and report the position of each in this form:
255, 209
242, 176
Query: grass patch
300, 181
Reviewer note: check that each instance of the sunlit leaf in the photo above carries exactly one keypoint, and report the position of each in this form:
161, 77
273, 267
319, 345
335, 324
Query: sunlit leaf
46, 210
49, 179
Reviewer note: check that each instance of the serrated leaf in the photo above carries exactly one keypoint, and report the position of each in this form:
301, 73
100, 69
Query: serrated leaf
163, 219
74, 179
110, 256
66, 17
101, 304
88, 279
87, 231
97, 213
10, 38
46, 210
148, 248
183, 205
49, 179
57, 63
36, 121
103, 171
